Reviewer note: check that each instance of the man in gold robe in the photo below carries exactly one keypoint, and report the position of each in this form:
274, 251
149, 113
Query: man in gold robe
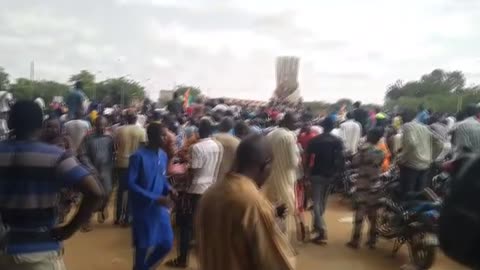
235, 226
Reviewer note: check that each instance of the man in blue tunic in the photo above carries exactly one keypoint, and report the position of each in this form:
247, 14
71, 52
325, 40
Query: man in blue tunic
149, 194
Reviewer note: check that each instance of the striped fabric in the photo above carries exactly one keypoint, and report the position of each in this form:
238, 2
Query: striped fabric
206, 155
31, 175
420, 146
467, 135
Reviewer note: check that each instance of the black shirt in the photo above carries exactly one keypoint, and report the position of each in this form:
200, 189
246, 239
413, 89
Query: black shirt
328, 152
174, 106
361, 116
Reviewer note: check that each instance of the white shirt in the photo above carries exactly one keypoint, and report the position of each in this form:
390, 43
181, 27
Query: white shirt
220, 107
40, 103
336, 132
351, 132
206, 157
141, 120
5, 98
467, 135
77, 129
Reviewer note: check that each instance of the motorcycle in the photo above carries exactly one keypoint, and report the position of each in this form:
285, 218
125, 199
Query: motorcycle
440, 183
412, 222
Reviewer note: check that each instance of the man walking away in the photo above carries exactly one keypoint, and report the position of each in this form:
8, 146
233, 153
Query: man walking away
31, 176
229, 143
351, 133
280, 186
76, 129
97, 153
127, 140
149, 190
327, 151
174, 106
361, 116
420, 147
369, 161
235, 224
206, 156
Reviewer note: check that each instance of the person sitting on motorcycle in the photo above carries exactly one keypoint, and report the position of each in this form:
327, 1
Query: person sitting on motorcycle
369, 160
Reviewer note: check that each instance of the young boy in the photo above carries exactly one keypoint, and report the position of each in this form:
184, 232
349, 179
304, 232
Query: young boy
369, 161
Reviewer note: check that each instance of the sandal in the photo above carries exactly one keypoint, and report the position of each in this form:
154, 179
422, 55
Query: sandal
371, 245
353, 245
102, 216
176, 263
86, 228
321, 241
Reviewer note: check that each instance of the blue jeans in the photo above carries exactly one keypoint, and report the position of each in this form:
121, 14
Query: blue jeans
320, 191
185, 221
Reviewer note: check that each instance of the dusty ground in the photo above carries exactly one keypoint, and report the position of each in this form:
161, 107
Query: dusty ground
108, 248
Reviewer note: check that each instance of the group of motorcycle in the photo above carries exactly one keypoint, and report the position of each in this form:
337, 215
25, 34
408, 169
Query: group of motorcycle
410, 219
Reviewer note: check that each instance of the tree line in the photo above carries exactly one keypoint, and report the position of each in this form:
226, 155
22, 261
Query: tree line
440, 90
111, 91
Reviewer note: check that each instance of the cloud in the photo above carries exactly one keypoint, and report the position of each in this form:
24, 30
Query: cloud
228, 47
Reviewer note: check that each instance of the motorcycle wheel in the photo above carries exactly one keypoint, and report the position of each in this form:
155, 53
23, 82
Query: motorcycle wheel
422, 253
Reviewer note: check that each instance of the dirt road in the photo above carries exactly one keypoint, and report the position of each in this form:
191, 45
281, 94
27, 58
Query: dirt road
108, 248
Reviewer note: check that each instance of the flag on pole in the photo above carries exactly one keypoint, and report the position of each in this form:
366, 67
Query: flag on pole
186, 99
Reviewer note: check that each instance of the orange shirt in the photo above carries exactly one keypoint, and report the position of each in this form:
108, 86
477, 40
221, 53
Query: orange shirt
382, 145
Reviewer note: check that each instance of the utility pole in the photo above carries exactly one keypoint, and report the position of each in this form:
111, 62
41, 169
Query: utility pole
32, 74
122, 90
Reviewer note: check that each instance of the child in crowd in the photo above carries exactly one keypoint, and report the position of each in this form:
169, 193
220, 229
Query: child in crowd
369, 161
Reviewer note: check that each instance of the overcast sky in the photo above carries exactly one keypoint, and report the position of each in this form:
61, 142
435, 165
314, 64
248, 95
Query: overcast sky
348, 48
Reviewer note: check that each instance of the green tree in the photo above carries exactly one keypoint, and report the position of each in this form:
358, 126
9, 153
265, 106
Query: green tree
4, 81
119, 90
343, 101
27, 89
48, 89
318, 107
22, 89
438, 90
88, 80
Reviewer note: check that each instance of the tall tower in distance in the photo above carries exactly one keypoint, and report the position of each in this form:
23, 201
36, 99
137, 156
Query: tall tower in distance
286, 70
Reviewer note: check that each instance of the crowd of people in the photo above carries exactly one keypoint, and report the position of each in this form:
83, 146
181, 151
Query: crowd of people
237, 180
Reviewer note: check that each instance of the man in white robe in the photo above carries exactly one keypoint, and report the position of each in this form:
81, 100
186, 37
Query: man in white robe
280, 186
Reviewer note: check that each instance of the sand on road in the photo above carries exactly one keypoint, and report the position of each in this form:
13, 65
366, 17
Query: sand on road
109, 248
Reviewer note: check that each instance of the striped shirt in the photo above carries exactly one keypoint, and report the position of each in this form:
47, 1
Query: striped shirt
467, 135
206, 156
31, 176
420, 146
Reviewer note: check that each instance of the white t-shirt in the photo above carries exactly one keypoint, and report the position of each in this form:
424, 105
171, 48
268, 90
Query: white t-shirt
206, 157
351, 132
77, 129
